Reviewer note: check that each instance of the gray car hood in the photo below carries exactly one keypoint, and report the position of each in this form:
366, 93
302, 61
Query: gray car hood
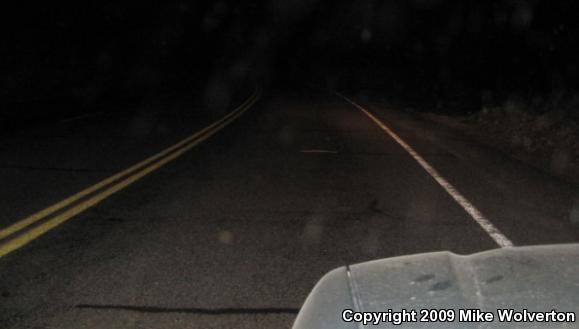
538, 279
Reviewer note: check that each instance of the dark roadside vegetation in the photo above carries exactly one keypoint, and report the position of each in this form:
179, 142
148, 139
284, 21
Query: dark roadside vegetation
67, 60
503, 70
503, 73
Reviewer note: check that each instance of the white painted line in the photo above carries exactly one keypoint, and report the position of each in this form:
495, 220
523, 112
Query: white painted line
484, 222
319, 151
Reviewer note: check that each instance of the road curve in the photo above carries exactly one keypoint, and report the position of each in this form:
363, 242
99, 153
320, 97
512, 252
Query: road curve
235, 233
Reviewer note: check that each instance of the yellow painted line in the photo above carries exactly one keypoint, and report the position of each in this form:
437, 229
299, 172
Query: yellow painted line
23, 223
39, 230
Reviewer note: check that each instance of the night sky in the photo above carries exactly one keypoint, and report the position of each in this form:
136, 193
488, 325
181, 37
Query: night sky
84, 54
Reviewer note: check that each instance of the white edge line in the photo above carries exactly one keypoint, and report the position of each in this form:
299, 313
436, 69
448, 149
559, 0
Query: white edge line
484, 222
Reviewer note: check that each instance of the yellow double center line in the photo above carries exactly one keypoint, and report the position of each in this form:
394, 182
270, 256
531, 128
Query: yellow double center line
23, 231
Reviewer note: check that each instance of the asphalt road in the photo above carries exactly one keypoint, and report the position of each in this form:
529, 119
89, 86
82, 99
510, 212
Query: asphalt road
236, 232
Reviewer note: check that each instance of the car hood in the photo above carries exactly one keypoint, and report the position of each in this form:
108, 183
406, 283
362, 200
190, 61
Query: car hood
536, 279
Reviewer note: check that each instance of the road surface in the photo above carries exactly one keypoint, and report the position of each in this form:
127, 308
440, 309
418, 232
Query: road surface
235, 232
